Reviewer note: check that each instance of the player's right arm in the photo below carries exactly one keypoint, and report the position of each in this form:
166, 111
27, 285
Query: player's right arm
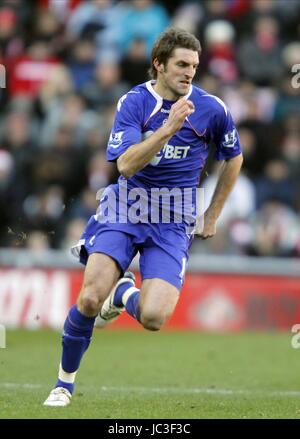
135, 156
138, 156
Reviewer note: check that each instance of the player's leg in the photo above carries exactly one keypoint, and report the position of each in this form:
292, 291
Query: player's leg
100, 249
153, 304
101, 274
158, 299
113, 305
162, 275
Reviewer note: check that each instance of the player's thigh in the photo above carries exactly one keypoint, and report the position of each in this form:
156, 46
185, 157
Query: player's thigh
108, 253
165, 263
158, 299
100, 275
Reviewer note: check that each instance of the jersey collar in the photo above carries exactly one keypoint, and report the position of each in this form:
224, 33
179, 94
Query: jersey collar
158, 97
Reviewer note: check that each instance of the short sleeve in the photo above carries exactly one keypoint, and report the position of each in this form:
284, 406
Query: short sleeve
225, 135
127, 127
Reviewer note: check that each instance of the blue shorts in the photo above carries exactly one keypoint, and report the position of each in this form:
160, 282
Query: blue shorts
163, 248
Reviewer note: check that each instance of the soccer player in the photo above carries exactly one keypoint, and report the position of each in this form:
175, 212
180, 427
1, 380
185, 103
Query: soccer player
159, 139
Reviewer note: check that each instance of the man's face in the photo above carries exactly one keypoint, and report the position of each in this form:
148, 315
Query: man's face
177, 74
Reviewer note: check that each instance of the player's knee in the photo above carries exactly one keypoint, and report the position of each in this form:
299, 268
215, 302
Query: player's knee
152, 322
89, 302
89, 305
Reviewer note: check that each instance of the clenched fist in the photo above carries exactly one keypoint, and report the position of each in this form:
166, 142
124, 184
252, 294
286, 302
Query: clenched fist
179, 111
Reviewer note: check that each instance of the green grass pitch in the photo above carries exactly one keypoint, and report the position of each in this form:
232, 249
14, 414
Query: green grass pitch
169, 375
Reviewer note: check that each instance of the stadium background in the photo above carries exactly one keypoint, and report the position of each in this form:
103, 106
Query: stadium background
67, 62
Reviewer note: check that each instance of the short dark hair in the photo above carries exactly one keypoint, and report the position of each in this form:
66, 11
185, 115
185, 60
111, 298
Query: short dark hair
171, 39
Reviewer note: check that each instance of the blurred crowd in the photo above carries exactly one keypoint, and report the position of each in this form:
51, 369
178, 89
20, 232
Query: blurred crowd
67, 62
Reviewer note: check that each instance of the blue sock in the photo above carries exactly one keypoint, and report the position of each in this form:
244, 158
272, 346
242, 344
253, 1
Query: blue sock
120, 291
68, 386
132, 305
76, 338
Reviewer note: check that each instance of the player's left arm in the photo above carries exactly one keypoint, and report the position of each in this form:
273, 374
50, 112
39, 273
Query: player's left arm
229, 172
228, 150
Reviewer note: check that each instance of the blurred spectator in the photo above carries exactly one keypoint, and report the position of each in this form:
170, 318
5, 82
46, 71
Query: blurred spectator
47, 28
287, 12
290, 54
138, 19
31, 70
289, 99
188, 16
220, 51
255, 157
267, 137
71, 113
62, 9
259, 55
37, 241
17, 131
291, 123
275, 183
82, 62
43, 211
246, 101
209, 83
99, 171
84, 206
135, 63
216, 10
95, 20
60, 164
96, 137
240, 203
18, 137
107, 88
291, 154
89, 18
73, 233
56, 88
11, 43
276, 231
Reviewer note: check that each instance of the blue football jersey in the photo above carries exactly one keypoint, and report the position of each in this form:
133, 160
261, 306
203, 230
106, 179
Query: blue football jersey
157, 209
142, 111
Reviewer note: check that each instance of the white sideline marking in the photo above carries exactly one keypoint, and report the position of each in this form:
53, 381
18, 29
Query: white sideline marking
168, 390
20, 386
202, 390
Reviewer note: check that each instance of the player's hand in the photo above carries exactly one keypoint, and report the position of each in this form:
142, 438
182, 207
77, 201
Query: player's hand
206, 228
179, 111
